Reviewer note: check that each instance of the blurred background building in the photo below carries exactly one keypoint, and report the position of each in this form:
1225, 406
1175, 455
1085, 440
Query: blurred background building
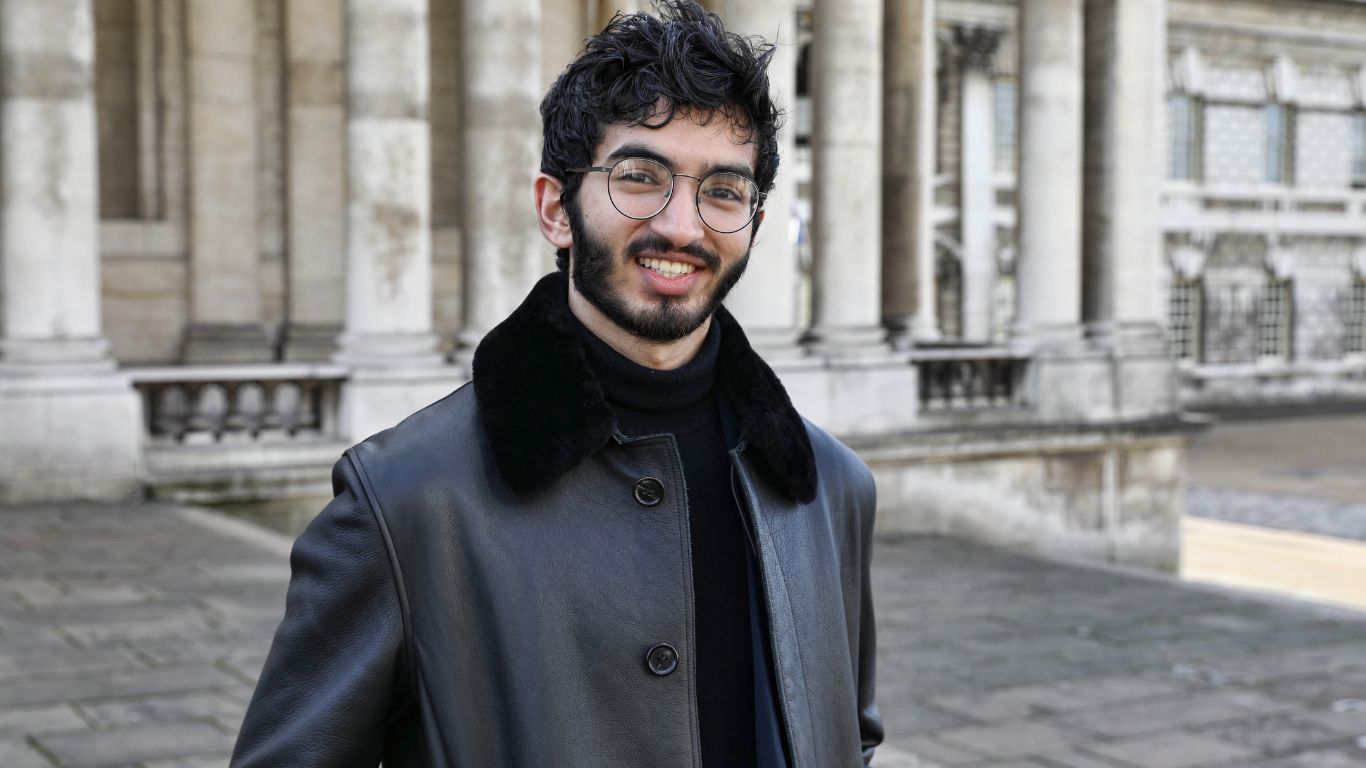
1010, 241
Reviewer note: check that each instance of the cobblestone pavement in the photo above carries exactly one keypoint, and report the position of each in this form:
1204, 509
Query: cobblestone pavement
1326, 517
130, 636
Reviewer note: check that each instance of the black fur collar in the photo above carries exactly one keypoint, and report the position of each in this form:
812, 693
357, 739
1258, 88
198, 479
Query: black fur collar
544, 411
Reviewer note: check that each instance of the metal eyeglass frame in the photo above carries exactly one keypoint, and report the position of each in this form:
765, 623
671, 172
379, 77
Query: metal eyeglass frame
668, 195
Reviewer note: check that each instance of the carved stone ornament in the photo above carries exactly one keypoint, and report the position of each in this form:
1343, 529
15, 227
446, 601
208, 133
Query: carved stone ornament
975, 47
1188, 261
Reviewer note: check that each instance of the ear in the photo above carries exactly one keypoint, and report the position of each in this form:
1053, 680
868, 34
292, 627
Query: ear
754, 231
550, 212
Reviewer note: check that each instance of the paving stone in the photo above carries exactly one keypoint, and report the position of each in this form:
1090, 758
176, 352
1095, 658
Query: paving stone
132, 745
93, 687
1010, 739
1080, 757
221, 759
163, 709
1173, 750
1277, 733
16, 753
941, 752
1134, 719
1318, 759
39, 719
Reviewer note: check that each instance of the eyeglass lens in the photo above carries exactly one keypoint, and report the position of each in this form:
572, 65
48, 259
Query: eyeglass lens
640, 188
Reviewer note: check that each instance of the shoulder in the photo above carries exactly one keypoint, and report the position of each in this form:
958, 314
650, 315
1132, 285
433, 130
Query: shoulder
836, 457
439, 444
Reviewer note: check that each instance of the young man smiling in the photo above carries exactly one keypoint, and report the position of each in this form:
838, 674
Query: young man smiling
621, 546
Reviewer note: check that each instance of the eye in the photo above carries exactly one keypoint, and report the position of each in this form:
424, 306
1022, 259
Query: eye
639, 173
729, 189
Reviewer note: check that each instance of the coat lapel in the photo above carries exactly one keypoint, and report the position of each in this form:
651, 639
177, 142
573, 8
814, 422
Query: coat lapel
544, 412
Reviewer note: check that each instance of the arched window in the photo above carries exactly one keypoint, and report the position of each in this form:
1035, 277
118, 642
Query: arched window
1185, 318
1355, 326
1275, 320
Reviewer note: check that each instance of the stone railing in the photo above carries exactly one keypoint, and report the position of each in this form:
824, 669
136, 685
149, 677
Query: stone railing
963, 379
239, 403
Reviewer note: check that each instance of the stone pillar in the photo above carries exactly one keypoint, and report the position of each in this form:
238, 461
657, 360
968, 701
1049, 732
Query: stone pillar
974, 49
503, 252
1121, 232
388, 337
225, 290
847, 161
1048, 269
71, 423
910, 103
315, 38
765, 300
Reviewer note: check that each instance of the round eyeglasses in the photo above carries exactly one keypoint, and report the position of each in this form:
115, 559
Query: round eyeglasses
639, 188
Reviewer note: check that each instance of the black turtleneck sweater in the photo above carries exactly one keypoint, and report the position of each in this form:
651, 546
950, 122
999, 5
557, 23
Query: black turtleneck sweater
685, 402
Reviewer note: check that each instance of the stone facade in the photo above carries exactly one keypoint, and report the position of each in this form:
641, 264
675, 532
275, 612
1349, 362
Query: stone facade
297, 233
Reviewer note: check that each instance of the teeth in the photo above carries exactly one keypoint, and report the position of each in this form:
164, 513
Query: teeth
666, 267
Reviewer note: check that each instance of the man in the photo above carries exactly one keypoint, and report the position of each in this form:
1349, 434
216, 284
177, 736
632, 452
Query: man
621, 546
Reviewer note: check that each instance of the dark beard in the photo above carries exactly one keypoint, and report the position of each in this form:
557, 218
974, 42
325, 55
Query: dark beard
666, 321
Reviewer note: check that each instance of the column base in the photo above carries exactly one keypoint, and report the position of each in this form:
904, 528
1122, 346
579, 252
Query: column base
70, 434
310, 342
226, 343
374, 399
1047, 338
848, 342
43, 357
382, 351
775, 344
907, 331
1128, 339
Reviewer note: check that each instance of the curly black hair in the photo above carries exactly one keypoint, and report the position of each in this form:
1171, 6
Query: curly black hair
644, 69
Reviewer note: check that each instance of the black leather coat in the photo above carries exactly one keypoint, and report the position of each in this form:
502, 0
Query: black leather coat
485, 587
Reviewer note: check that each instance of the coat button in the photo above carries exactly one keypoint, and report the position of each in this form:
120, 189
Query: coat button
649, 491
662, 659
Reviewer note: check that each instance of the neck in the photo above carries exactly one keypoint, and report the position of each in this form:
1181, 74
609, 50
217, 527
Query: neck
658, 355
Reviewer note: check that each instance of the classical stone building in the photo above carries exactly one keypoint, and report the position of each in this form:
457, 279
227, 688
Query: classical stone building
239, 235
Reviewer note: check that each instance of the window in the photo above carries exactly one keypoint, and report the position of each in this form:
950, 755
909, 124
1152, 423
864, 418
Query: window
1359, 150
1355, 340
1005, 128
1276, 119
1184, 315
1275, 320
1182, 136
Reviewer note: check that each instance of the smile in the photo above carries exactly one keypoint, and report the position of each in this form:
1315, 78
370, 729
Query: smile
667, 268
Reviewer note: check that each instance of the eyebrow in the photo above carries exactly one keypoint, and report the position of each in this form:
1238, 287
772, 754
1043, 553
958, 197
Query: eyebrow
635, 149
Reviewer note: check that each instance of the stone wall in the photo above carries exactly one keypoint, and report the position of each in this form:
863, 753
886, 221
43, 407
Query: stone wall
1113, 495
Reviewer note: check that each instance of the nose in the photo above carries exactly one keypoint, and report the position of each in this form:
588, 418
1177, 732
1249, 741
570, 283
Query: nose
679, 222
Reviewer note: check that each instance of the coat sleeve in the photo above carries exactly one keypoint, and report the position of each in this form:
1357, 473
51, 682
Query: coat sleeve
335, 676
869, 718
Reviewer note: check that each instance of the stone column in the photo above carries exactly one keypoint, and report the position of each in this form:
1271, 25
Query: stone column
503, 252
315, 38
71, 423
1125, 51
1121, 232
388, 337
388, 241
1048, 270
765, 300
974, 49
847, 163
225, 290
909, 121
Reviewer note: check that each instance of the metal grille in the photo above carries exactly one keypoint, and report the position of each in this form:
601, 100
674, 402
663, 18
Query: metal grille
1184, 319
1274, 320
1355, 327
1005, 128
1181, 135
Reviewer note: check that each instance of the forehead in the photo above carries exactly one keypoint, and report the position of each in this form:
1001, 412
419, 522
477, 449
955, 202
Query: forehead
688, 142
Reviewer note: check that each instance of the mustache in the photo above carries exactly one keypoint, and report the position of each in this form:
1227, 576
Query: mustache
658, 244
